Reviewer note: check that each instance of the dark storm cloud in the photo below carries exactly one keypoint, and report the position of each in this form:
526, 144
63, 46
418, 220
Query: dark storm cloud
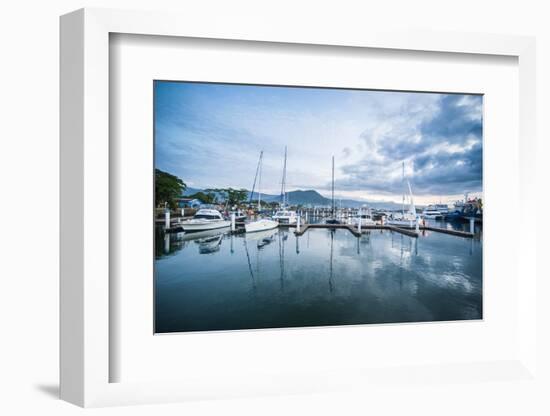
459, 116
442, 151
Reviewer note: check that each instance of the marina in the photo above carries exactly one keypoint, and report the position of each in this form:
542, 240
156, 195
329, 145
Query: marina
317, 217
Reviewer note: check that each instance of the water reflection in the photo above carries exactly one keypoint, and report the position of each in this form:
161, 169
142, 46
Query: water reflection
216, 280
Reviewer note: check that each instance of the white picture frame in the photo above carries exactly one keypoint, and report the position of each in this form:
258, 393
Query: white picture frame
85, 215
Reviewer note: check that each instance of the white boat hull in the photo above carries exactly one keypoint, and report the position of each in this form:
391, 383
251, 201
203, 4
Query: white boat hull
203, 225
432, 216
364, 222
402, 223
260, 225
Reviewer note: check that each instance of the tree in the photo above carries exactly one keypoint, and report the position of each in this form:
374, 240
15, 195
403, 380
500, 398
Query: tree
231, 196
236, 196
207, 198
168, 188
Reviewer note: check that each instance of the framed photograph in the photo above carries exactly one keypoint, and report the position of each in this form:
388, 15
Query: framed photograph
268, 213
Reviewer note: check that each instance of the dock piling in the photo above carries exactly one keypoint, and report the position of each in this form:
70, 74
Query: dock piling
471, 225
167, 219
233, 221
298, 223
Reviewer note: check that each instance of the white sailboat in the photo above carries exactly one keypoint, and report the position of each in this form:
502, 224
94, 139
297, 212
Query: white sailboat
261, 224
405, 218
284, 215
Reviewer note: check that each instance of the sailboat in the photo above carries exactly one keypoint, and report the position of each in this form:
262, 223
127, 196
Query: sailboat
405, 218
332, 219
284, 215
261, 224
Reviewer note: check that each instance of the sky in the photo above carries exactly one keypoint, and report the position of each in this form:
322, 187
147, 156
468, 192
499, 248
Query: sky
211, 135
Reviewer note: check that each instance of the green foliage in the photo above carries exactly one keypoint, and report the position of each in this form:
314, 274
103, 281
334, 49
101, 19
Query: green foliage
168, 188
207, 198
230, 195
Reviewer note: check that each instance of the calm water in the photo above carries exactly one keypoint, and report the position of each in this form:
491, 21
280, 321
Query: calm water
215, 281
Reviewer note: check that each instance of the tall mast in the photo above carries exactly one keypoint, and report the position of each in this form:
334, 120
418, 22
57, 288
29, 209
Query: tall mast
255, 178
332, 210
283, 184
403, 181
260, 182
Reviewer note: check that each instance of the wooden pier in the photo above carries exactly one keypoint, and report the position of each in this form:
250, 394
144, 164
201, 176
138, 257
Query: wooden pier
175, 227
305, 227
410, 232
446, 231
353, 229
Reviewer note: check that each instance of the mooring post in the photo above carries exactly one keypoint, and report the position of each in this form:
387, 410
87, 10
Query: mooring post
471, 225
306, 216
359, 225
298, 223
417, 226
233, 221
166, 218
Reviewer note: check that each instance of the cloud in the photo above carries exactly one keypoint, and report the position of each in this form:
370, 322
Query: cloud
211, 135
441, 145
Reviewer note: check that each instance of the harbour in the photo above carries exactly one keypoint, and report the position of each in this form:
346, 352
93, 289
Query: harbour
316, 220
230, 256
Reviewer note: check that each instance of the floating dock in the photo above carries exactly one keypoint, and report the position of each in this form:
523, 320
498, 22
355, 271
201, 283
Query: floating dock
447, 231
176, 227
305, 227
410, 232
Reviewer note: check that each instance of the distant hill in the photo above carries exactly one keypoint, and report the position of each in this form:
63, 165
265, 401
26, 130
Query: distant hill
308, 197
314, 198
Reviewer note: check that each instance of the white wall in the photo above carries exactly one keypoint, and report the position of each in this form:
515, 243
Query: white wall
29, 185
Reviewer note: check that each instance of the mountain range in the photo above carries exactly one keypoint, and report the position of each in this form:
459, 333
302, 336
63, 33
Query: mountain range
314, 198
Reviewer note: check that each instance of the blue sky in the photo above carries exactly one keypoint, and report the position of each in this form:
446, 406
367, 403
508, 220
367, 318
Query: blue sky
210, 135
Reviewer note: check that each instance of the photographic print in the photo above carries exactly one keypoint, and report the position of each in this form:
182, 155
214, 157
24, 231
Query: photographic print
291, 206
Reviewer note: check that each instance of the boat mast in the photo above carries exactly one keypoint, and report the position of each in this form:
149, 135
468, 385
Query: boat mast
283, 184
412, 208
260, 182
332, 210
403, 181
255, 178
